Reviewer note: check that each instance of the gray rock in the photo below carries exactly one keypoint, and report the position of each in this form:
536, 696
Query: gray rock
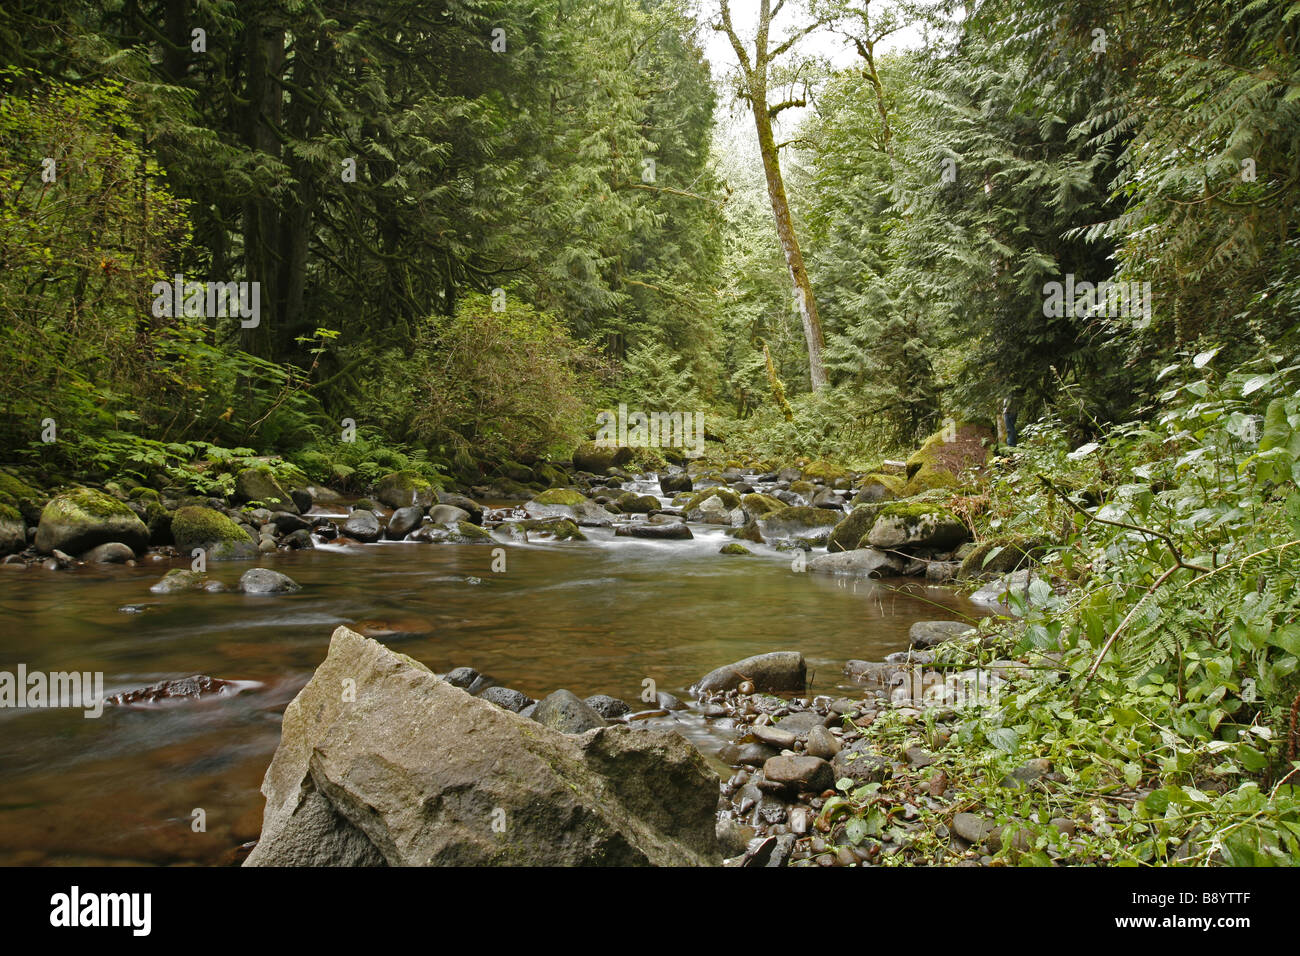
406, 520
462, 677
774, 671
259, 484
611, 708
565, 711
668, 531
266, 581
113, 552
286, 522
362, 525
822, 743
671, 484
448, 515
668, 701
971, 828
773, 736
512, 700
799, 772
388, 777
860, 563
931, 633
860, 763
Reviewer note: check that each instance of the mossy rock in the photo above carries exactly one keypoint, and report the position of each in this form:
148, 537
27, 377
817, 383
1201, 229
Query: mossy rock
756, 505
793, 521
561, 529
80, 519
802, 487
598, 459
631, 503
849, 532
825, 470
916, 525
551, 475
402, 489
560, 496
13, 530
143, 493
14, 489
729, 498
880, 487
1015, 552
734, 548
223, 540
472, 531
939, 462
749, 531
260, 484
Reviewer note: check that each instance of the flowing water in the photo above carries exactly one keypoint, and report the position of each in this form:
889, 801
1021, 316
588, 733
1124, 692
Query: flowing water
596, 617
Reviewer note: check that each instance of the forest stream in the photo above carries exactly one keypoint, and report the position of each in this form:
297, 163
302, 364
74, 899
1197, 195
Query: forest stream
596, 617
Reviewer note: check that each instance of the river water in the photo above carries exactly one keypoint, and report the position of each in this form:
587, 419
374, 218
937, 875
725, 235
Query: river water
598, 616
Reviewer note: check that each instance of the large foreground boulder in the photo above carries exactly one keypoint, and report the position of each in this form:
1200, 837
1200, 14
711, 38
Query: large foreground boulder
78, 520
380, 762
197, 527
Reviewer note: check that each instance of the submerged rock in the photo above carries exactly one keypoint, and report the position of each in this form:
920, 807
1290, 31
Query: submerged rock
389, 778
192, 687
266, 581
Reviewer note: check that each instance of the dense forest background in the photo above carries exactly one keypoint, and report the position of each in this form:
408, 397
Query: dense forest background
476, 223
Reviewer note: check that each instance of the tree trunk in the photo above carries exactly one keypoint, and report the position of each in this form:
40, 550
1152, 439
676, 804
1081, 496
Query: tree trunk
803, 293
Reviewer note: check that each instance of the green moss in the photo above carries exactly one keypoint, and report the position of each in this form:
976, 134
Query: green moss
9, 513
734, 548
195, 525
143, 492
758, 504
802, 487
468, 529
93, 503
729, 498
894, 485
807, 516
560, 496
848, 534
12, 489
824, 470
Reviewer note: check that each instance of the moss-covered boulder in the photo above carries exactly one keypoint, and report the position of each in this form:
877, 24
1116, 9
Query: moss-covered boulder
223, 540
13, 530
1001, 555
78, 520
598, 459
259, 484
798, 521
629, 502
749, 531
402, 489
825, 471
734, 548
804, 488
849, 532
880, 487
713, 505
472, 532
946, 454
27, 500
756, 505
916, 526
560, 496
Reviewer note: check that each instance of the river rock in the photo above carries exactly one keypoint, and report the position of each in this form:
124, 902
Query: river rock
507, 698
389, 778
611, 708
776, 737
822, 743
286, 522
81, 519
448, 515
774, 671
799, 522
114, 552
598, 459
464, 503
179, 579
220, 537
917, 526
931, 633
362, 525
672, 484
799, 772
565, 711
859, 563
259, 484
668, 531
266, 581
402, 489
860, 763
192, 688
405, 520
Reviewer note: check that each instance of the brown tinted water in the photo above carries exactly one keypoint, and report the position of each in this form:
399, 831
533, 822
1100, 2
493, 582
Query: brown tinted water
596, 617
